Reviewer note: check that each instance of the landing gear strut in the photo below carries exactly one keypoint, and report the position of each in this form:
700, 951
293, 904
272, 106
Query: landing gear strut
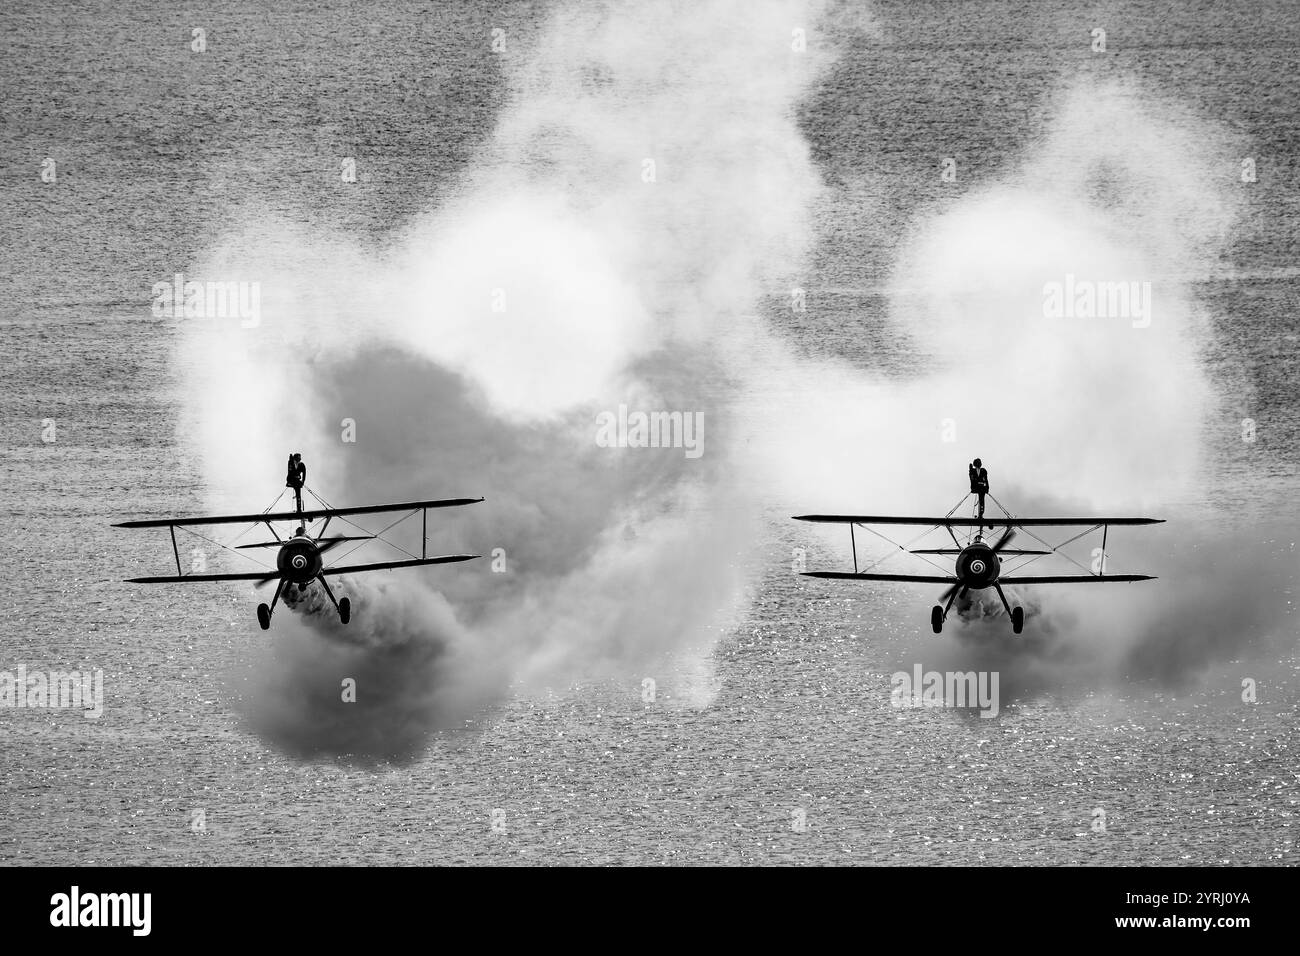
344, 607
1016, 614
264, 612
938, 614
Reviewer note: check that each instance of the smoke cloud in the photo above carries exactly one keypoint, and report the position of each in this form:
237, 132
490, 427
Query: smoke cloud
645, 180
1073, 415
645, 188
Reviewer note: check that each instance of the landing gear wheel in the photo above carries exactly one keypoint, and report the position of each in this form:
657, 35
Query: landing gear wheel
345, 610
1017, 619
264, 617
936, 619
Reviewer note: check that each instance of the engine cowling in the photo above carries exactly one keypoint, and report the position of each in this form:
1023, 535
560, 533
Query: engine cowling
299, 560
978, 566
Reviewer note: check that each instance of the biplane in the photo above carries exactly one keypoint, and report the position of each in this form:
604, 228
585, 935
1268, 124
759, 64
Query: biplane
977, 563
300, 558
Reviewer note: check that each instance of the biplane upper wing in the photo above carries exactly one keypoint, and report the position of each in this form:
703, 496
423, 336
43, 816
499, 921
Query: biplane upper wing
975, 522
311, 515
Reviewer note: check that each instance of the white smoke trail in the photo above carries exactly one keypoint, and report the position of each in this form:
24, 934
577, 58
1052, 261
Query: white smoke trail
1072, 415
621, 291
645, 179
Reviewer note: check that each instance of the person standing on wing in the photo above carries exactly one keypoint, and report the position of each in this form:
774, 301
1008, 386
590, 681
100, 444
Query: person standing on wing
979, 484
296, 477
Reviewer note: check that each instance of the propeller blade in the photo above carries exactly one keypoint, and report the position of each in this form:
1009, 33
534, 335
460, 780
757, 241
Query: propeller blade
273, 576
948, 593
327, 543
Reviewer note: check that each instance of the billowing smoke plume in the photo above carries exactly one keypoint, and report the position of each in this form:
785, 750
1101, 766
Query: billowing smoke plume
1074, 414
646, 185
645, 180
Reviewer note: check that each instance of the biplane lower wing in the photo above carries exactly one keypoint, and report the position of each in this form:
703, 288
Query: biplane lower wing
1073, 578
272, 575
181, 578
975, 522
855, 576
311, 515
1022, 579
383, 565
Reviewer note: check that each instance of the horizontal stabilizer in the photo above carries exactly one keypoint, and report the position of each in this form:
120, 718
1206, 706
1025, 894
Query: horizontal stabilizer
276, 544
1002, 552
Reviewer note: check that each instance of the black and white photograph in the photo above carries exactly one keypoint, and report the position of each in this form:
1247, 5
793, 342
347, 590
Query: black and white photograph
662, 433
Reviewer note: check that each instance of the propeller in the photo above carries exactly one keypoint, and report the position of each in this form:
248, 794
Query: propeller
327, 543
1001, 543
323, 545
1005, 539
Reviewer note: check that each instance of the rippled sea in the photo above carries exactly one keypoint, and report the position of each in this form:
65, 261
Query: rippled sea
158, 150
